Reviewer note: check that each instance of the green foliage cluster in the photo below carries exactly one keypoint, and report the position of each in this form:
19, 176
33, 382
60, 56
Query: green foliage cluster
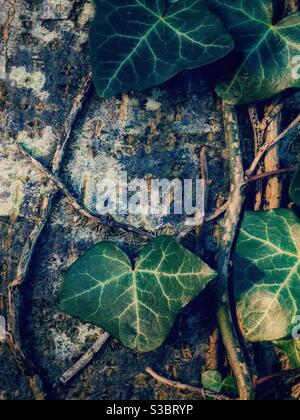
137, 44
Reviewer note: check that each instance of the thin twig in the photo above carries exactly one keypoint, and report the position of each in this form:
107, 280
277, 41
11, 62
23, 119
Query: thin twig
270, 115
183, 387
256, 125
96, 220
69, 124
269, 174
294, 373
83, 361
267, 146
212, 356
14, 340
219, 212
259, 130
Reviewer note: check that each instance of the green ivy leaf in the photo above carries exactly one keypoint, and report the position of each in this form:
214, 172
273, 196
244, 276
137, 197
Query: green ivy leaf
291, 348
267, 50
212, 380
140, 305
266, 265
230, 387
136, 44
295, 188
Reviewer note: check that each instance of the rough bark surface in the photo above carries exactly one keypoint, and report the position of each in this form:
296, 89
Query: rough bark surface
156, 133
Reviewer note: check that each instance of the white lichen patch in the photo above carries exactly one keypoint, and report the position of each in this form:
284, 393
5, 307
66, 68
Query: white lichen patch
86, 14
34, 81
64, 347
152, 105
2, 67
67, 347
44, 35
39, 143
56, 9
14, 174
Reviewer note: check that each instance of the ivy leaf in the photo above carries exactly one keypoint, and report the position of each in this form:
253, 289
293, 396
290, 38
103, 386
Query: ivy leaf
267, 274
137, 44
267, 50
212, 380
140, 305
295, 188
291, 348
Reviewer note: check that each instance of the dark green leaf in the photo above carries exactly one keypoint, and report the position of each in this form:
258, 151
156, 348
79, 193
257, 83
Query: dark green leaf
138, 306
267, 274
291, 348
136, 44
230, 387
268, 51
212, 381
295, 188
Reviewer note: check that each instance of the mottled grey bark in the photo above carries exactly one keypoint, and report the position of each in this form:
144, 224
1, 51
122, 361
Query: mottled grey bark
157, 133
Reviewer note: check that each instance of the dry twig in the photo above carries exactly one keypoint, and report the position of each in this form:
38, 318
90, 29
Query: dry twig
83, 361
14, 340
96, 220
183, 387
268, 146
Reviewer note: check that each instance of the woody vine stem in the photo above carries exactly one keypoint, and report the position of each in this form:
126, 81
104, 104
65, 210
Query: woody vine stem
229, 230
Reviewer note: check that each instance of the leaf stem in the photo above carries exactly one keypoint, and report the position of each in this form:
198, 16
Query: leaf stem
230, 226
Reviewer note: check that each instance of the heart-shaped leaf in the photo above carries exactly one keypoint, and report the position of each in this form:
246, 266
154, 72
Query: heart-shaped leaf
268, 51
212, 380
291, 348
295, 188
267, 274
136, 44
140, 305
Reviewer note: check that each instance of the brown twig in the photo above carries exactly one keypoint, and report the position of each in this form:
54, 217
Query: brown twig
273, 190
258, 132
183, 387
270, 114
69, 124
83, 361
96, 220
268, 146
219, 212
294, 373
265, 175
14, 340
212, 356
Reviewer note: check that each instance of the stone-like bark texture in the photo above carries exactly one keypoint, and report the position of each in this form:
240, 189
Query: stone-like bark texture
157, 133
